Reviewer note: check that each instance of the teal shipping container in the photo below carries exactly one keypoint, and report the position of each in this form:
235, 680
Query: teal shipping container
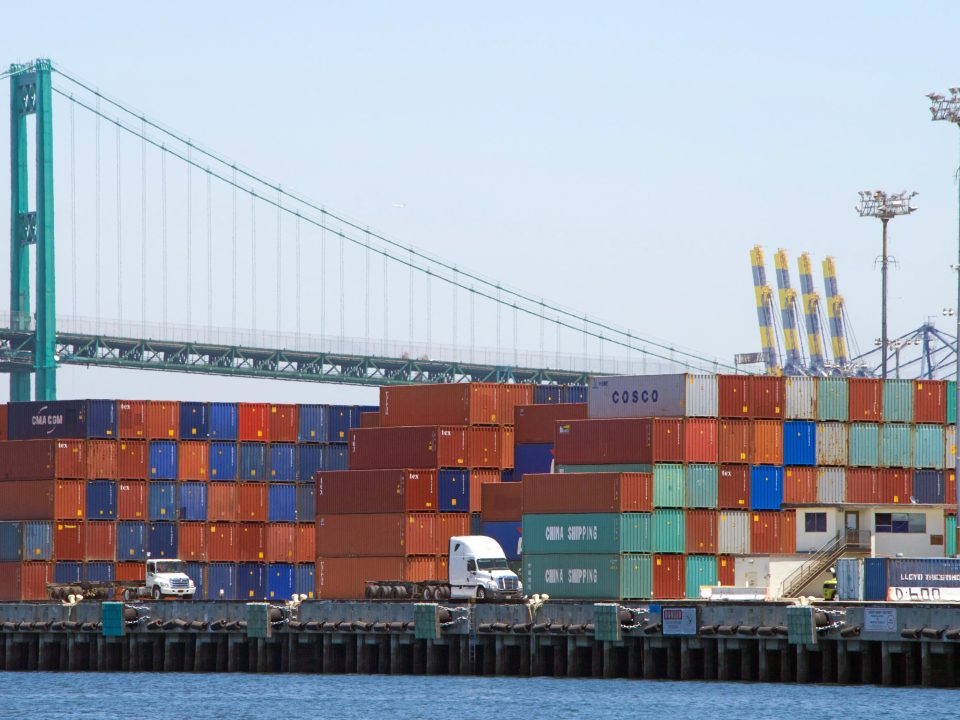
587, 533
896, 446
898, 401
864, 445
928, 444
669, 531
701, 570
701, 486
614, 468
833, 399
951, 539
595, 577
636, 532
669, 485
951, 402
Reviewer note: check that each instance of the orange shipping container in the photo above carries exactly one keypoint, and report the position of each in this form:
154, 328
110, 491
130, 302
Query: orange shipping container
669, 577
511, 396
43, 499
381, 535
343, 578
766, 396
24, 580
369, 419
700, 444
800, 485
895, 486
766, 447
735, 438
501, 502
101, 459
130, 571
280, 543
222, 542
951, 493
192, 542
766, 532
733, 487
252, 502
863, 485
866, 399
726, 571
549, 493
222, 502
192, 459
788, 532
445, 404
100, 541
251, 542
133, 460
506, 447
163, 420
132, 500
732, 394
930, 401
408, 447
701, 529
131, 419
284, 423
306, 543
3, 421
254, 421
478, 479
450, 525
483, 447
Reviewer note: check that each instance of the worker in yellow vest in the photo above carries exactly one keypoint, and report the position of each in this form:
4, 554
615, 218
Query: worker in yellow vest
830, 586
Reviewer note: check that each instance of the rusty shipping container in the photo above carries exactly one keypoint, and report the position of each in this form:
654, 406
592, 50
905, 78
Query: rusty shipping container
444, 404
192, 541
280, 543
701, 531
930, 401
223, 543
223, 501
766, 397
587, 492
343, 578
537, 423
43, 500
133, 460
132, 498
252, 502
21, 581
43, 460
131, 419
734, 440
284, 423
380, 534
192, 459
375, 491
700, 440
254, 422
501, 502
669, 577
866, 399
733, 487
766, 447
604, 442
162, 420
101, 458
800, 485
408, 447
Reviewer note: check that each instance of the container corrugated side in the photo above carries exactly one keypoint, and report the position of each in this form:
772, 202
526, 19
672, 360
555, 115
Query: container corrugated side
43, 500
637, 396
312, 423
443, 404
930, 487
579, 576
701, 491
702, 396
618, 440
587, 492
832, 443
223, 461
898, 401
284, 423
950, 541
537, 423
951, 402
733, 532
896, 446
571, 534
223, 421
866, 399
701, 570
735, 438
193, 457
700, 527
799, 485
766, 397
669, 531
21, 581
874, 579
501, 502
344, 578
831, 485
733, 486
799, 443
369, 491
864, 445
766, 487
833, 400
669, 577
379, 535
801, 398
850, 579
950, 447
928, 444
930, 401
700, 441
669, 485
636, 532
131, 419
767, 445
910, 573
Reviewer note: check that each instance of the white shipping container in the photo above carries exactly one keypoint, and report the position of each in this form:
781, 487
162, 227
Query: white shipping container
950, 448
702, 396
733, 532
801, 400
849, 579
832, 443
678, 395
831, 485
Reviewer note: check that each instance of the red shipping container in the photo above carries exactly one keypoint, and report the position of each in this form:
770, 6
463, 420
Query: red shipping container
788, 532
43, 499
251, 542
101, 458
930, 401
380, 534
735, 439
446, 404
42, 460
100, 541
501, 502
766, 447
281, 542
369, 419
483, 447
866, 399
408, 447
863, 485
133, 458
733, 487
3, 421
766, 532
132, 496
192, 542
24, 580
506, 447
800, 485
669, 577
513, 395
223, 542
192, 459
68, 541
222, 501
306, 543
668, 439
163, 420
253, 420
130, 571
732, 391
131, 419
587, 492
726, 571
700, 442
284, 423
478, 479
951, 491
765, 396
344, 578
608, 441
701, 530
375, 491
895, 486
252, 502
450, 525
537, 423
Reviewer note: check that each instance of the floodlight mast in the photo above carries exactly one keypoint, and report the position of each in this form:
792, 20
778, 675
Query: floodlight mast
886, 206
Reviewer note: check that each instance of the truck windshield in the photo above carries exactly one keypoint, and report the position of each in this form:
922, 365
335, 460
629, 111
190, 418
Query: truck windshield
169, 566
492, 563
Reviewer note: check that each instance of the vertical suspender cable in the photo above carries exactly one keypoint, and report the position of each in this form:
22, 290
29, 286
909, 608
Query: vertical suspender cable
386, 305
323, 278
209, 256
163, 228
279, 257
557, 364
453, 338
253, 261
96, 219
143, 224
233, 257
342, 306
515, 335
586, 329
412, 297
73, 209
189, 236
119, 237
473, 296
366, 290
299, 276
498, 360
543, 357
429, 316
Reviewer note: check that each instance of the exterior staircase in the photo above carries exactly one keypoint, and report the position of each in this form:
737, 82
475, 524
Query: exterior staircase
849, 541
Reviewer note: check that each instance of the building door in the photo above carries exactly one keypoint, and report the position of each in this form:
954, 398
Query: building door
852, 522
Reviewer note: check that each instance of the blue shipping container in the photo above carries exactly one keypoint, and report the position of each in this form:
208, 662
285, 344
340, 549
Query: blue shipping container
282, 502
101, 499
336, 456
162, 540
575, 394
193, 502
195, 572
766, 487
529, 458
131, 541
929, 487
281, 581
98, 572
507, 534
875, 578
223, 461
163, 460
222, 421
547, 394
340, 418
304, 582
37, 540
309, 461
194, 421
221, 581
799, 442
509, 475
283, 462
312, 427
11, 541
253, 461
306, 504
921, 573
62, 419
67, 572
453, 491
162, 501
251, 581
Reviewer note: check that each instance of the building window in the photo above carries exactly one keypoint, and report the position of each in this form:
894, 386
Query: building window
901, 523
816, 522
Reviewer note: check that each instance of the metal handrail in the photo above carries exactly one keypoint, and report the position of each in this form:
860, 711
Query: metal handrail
829, 552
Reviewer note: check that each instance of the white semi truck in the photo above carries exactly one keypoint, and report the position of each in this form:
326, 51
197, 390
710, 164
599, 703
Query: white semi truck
163, 578
476, 568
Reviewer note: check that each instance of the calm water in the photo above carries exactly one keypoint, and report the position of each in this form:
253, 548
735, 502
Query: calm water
149, 695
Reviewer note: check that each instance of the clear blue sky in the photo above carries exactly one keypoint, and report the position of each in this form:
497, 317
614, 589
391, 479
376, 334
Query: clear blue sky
620, 159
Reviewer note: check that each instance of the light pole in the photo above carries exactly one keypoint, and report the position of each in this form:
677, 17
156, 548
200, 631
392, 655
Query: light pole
877, 203
943, 108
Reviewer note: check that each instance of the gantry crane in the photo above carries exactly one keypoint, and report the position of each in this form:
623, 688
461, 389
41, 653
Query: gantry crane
794, 364
835, 313
764, 298
811, 315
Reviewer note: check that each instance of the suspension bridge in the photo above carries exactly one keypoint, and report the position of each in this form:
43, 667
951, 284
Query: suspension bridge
172, 257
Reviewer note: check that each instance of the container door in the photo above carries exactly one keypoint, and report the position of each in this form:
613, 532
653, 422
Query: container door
852, 523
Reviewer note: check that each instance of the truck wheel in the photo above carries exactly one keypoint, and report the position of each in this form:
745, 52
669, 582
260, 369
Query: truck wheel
428, 593
481, 594
156, 594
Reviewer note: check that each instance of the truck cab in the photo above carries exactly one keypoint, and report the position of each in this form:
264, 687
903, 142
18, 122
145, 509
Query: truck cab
167, 578
478, 569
